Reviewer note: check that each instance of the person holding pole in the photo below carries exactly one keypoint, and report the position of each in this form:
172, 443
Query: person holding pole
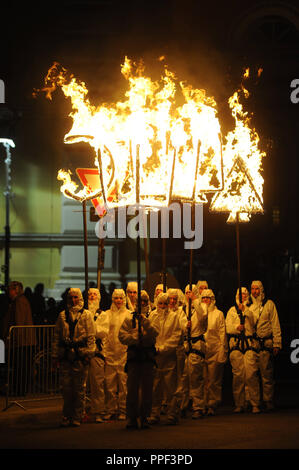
165, 380
97, 363
73, 347
115, 357
243, 351
193, 323
268, 334
138, 332
180, 352
216, 352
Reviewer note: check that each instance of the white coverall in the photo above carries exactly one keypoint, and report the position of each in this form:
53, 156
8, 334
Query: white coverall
73, 354
267, 325
140, 363
96, 372
180, 352
165, 378
97, 368
194, 363
216, 353
115, 357
243, 360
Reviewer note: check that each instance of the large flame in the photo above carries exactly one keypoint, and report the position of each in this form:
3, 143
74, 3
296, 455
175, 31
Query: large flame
149, 149
242, 165
175, 150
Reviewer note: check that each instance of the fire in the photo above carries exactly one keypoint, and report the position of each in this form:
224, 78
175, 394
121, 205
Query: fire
242, 166
175, 150
147, 148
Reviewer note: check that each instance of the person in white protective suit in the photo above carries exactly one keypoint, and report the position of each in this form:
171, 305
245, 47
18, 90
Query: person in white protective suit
268, 333
166, 372
243, 353
193, 325
132, 291
72, 349
216, 352
97, 363
138, 332
115, 354
180, 351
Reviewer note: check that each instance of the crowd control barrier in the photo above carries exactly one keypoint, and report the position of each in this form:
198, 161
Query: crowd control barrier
30, 372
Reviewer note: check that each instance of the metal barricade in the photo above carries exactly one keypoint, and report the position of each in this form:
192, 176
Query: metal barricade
30, 372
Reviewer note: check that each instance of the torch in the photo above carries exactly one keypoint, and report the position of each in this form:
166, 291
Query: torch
149, 151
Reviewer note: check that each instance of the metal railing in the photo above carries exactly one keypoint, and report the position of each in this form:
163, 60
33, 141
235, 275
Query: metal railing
30, 372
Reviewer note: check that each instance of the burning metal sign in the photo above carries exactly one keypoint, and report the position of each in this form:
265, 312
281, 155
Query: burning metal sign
148, 147
242, 165
172, 153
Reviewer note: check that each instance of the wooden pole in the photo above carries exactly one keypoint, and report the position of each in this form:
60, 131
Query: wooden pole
85, 253
138, 235
239, 261
101, 253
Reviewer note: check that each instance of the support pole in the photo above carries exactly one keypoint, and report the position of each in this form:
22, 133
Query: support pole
239, 263
164, 274
138, 245
190, 281
7, 195
101, 254
138, 235
147, 268
85, 253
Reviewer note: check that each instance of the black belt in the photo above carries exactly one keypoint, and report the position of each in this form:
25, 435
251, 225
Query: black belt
69, 345
242, 343
262, 342
195, 351
194, 339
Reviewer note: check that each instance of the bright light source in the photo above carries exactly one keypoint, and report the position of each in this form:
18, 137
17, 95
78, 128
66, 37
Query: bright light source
8, 142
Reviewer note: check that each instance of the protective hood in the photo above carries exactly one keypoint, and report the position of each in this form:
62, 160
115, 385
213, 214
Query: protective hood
164, 297
174, 293
131, 286
158, 286
194, 290
94, 305
74, 309
199, 285
243, 290
146, 309
202, 284
261, 297
209, 293
118, 293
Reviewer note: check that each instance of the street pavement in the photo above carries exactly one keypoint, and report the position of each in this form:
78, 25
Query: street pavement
37, 427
